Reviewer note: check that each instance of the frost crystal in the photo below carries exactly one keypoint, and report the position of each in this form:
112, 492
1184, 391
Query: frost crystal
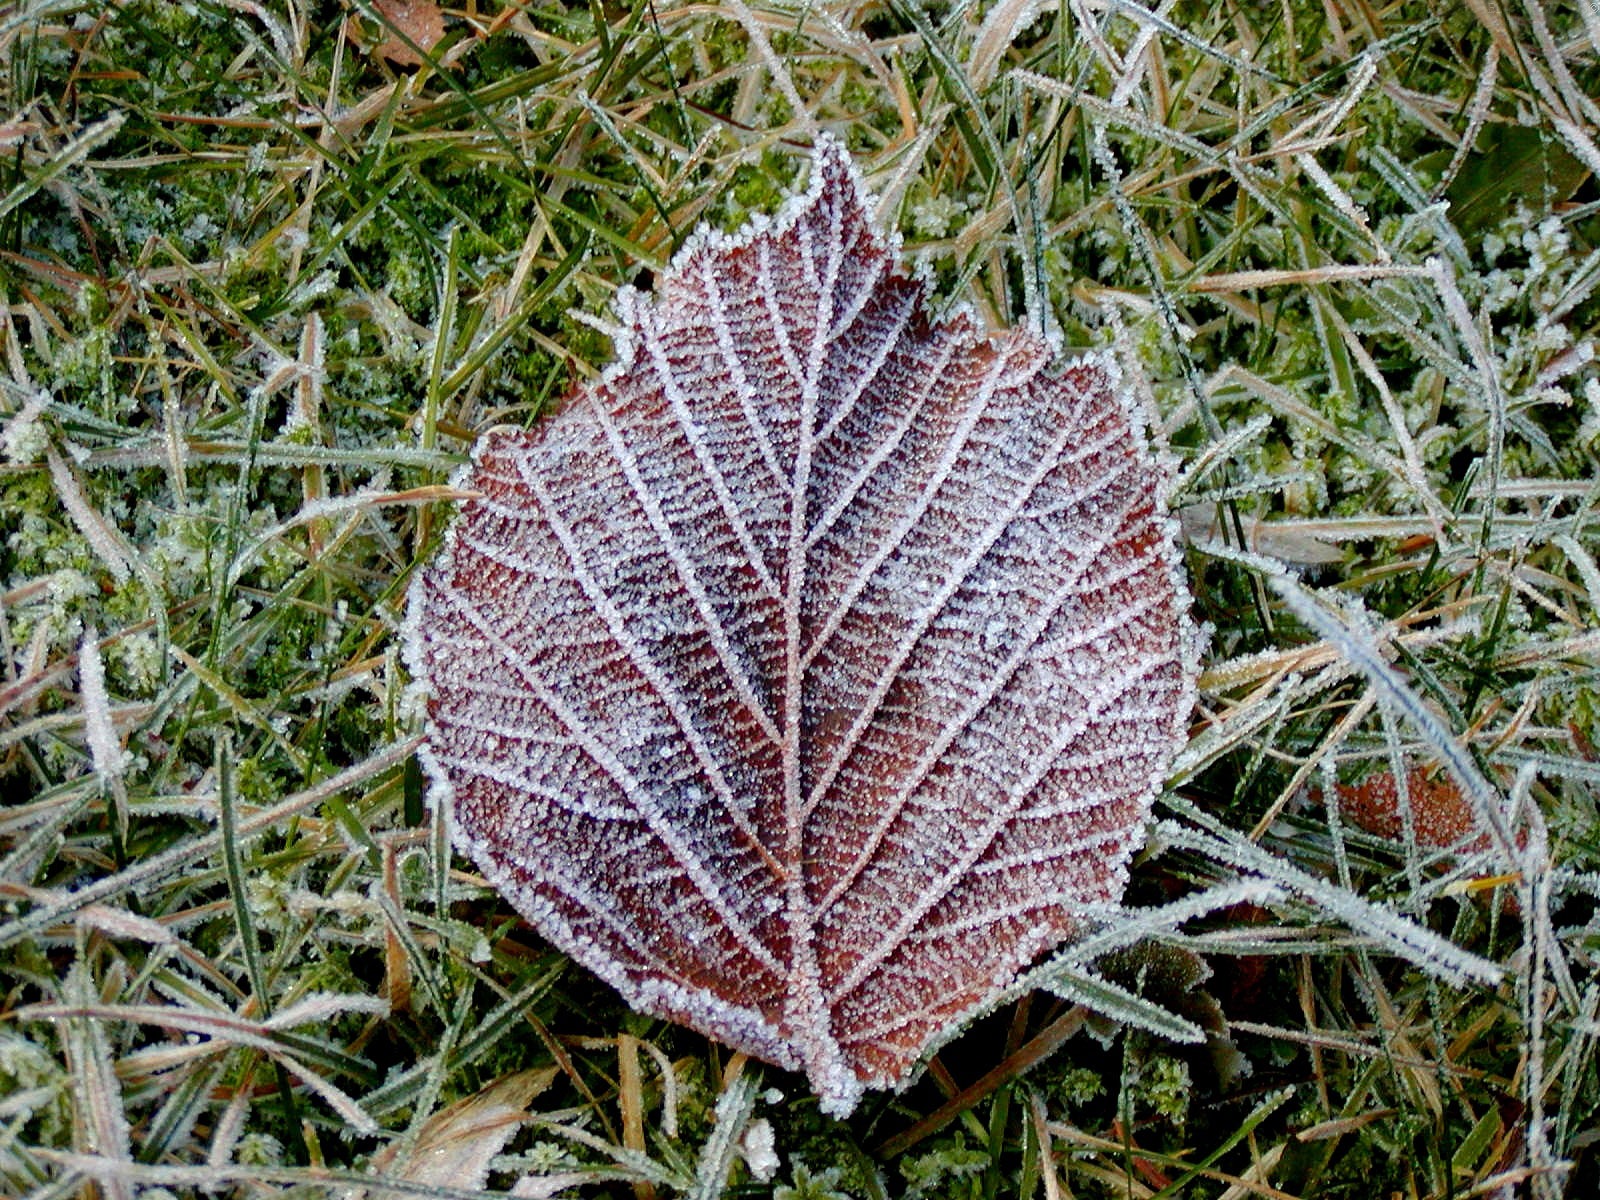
813, 671
760, 1150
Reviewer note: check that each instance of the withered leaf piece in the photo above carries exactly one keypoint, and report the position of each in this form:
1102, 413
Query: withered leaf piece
422, 23
813, 671
1441, 815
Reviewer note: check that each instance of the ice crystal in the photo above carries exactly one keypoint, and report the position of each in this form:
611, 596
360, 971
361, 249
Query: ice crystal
813, 671
760, 1150
24, 438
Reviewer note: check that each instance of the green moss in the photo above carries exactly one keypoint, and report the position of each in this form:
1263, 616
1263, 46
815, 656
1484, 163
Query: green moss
951, 1170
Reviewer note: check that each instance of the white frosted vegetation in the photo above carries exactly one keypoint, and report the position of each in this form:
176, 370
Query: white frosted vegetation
96, 530
811, 673
100, 730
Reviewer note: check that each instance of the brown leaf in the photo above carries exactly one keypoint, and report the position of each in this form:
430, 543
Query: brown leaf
420, 21
1440, 814
813, 671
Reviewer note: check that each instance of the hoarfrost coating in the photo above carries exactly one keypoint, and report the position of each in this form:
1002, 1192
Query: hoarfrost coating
812, 672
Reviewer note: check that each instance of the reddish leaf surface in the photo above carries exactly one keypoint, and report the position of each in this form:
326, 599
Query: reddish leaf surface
422, 23
813, 672
1441, 815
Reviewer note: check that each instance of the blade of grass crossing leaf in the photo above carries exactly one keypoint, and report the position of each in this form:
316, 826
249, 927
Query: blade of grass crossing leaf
1485, 800
1111, 1000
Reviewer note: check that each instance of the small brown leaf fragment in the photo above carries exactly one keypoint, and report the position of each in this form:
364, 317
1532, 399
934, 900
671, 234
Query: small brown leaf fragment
1440, 814
811, 672
420, 21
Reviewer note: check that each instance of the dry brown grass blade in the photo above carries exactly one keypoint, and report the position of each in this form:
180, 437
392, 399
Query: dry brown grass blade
1044, 1043
630, 1098
455, 1146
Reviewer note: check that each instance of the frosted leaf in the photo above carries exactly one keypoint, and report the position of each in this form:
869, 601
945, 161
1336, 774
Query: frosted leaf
812, 672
